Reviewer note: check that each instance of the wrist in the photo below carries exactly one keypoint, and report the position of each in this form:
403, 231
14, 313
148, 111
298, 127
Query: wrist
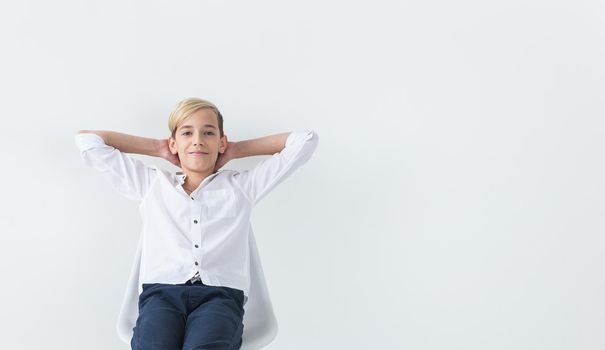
236, 151
157, 148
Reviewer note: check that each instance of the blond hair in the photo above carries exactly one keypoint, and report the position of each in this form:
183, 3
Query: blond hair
187, 107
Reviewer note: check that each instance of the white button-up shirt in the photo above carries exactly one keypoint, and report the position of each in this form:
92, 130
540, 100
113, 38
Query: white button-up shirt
207, 232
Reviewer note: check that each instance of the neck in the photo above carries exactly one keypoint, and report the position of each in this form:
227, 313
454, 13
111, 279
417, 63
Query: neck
194, 179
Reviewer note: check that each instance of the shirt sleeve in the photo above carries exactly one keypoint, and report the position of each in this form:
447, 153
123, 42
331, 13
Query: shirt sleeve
129, 176
262, 178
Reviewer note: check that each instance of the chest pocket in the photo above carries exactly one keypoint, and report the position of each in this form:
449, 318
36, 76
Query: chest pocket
219, 203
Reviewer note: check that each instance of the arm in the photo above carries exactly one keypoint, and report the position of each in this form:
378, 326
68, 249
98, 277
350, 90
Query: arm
266, 145
129, 176
128, 143
286, 156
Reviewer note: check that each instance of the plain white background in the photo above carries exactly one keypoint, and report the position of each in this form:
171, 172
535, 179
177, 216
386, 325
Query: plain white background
455, 200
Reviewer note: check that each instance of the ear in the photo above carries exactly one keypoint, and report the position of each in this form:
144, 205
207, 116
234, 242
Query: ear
224, 143
172, 145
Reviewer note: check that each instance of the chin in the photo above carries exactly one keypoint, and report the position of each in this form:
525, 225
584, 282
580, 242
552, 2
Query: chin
201, 168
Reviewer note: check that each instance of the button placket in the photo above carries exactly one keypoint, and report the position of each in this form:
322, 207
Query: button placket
196, 230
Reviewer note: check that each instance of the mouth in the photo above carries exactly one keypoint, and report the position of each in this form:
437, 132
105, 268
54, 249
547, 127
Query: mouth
198, 153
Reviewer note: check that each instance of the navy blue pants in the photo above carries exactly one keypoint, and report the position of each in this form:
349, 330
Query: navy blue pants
189, 316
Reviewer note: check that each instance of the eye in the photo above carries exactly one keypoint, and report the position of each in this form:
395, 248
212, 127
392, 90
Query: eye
210, 132
185, 133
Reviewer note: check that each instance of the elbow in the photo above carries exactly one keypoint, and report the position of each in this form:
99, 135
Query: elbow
312, 137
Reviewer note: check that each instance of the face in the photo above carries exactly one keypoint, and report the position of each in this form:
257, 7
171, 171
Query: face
198, 133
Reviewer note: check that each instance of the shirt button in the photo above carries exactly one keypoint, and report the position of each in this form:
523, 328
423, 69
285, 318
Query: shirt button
195, 221
196, 246
196, 262
192, 199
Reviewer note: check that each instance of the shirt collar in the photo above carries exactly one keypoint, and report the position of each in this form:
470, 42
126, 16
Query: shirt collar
180, 176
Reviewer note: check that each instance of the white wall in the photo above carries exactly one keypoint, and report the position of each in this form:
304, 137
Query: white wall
455, 201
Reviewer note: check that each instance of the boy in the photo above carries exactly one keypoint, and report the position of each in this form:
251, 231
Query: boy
197, 279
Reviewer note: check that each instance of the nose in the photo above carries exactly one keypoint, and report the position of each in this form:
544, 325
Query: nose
197, 140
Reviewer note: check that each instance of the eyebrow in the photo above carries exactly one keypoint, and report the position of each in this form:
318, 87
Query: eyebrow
189, 126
